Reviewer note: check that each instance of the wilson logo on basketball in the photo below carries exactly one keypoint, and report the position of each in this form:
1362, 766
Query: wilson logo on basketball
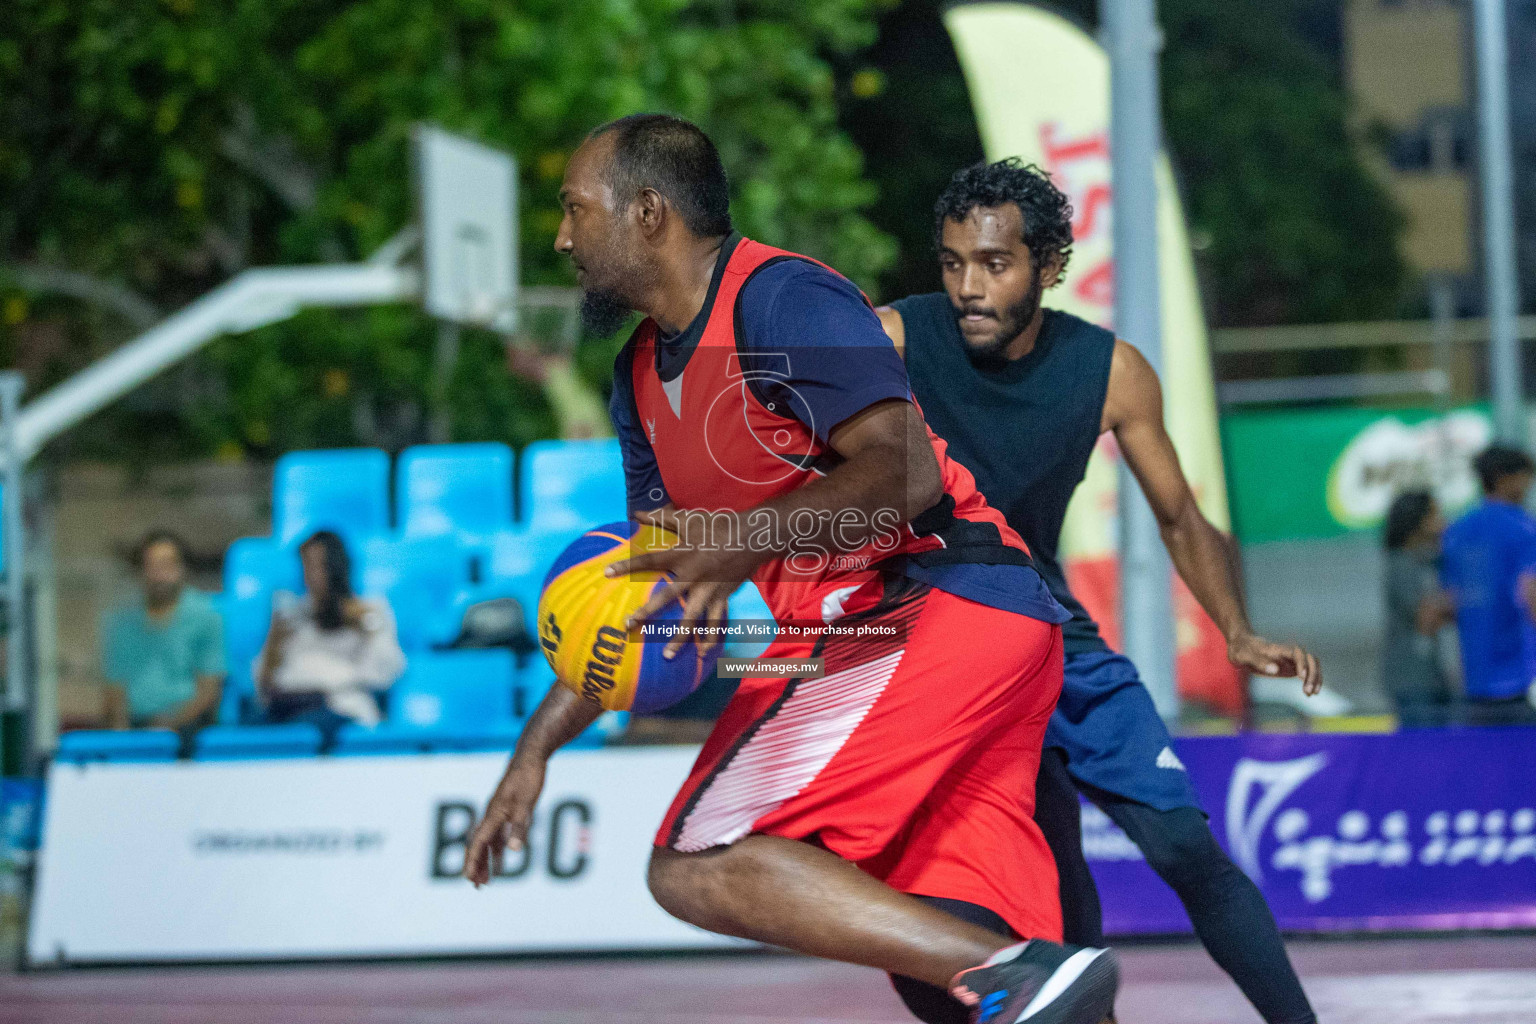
607, 653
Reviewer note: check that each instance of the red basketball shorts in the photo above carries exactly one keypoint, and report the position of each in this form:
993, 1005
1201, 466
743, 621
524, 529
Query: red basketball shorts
914, 757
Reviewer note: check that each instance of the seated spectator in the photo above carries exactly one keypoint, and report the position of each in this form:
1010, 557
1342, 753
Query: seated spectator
1417, 610
163, 654
1487, 553
331, 653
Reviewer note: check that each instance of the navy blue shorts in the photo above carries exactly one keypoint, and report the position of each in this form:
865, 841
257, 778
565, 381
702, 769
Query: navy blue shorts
1112, 735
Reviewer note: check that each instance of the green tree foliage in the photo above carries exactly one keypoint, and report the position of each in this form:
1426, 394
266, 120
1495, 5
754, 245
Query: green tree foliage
1299, 230
1293, 227
159, 146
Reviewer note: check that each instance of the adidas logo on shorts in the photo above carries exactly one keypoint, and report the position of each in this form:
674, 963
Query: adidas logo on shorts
1168, 759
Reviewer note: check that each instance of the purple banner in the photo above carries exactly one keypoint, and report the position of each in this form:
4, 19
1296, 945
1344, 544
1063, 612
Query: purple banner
1414, 830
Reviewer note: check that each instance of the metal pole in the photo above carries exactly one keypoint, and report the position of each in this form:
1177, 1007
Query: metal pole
1442, 331
1442, 311
1133, 41
445, 358
15, 541
1503, 288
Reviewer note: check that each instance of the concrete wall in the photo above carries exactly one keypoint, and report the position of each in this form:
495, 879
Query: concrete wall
100, 512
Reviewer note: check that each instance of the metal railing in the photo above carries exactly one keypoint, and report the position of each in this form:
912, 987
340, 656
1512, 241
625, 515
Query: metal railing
1445, 360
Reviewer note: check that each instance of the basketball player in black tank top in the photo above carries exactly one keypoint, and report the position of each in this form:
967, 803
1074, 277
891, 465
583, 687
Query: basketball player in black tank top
1021, 395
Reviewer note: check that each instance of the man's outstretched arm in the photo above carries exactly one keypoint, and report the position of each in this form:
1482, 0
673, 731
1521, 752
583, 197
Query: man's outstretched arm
1202, 554
560, 718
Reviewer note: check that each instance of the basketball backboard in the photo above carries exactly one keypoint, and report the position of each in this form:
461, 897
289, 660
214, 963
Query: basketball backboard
467, 198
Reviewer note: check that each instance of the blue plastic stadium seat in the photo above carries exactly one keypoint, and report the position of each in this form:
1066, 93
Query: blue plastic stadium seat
254, 569
448, 488
516, 560
609, 725
138, 745
511, 563
345, 489
252, 742
448, 621
522, 556
404, 738
572, 484
419, 577
236, 678
457, 688
747, 605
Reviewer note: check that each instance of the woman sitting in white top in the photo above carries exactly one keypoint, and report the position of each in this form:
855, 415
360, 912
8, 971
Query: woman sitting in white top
331, 652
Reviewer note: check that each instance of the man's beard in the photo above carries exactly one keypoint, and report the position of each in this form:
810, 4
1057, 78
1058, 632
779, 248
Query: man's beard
603, 312
1011, 324
607, 307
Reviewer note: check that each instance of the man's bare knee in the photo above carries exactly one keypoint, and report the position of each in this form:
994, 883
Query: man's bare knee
692, 886
665, 877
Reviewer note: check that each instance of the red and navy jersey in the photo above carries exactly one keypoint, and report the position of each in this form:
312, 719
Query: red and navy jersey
738, 409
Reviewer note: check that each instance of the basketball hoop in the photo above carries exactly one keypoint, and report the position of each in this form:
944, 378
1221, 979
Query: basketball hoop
467, 202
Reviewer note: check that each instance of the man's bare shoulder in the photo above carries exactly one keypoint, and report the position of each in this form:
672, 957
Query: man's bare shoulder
1129, 370
1134, 391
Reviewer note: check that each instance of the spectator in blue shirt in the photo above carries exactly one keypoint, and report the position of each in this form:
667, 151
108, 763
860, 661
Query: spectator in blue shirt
163, 654
1487, 555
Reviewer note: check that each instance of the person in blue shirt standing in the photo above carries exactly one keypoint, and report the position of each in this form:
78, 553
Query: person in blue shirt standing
1488, 553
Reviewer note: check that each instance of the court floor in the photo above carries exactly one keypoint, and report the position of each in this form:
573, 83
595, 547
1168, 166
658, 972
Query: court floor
1470, 980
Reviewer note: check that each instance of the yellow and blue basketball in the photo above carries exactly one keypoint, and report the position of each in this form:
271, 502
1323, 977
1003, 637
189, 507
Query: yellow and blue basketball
581, 624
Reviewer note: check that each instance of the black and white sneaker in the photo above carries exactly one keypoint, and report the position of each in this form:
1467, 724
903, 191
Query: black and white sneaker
1040, 982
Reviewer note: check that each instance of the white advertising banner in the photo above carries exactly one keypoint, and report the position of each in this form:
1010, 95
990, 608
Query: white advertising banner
343, 857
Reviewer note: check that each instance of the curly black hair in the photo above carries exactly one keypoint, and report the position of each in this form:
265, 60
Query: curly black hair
1046, 209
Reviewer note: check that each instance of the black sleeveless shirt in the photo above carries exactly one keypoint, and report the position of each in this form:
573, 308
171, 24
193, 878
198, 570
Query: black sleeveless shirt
1024, 429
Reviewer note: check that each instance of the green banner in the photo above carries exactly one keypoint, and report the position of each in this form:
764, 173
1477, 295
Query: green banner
1298, 474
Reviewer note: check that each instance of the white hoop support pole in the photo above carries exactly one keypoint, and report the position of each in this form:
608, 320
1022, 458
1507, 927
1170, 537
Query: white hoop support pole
253, 299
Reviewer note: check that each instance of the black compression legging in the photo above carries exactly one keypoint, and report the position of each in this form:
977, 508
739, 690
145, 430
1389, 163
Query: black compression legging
1230, 916
932, 1004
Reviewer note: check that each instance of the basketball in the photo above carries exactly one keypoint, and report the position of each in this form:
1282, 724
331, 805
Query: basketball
581, 624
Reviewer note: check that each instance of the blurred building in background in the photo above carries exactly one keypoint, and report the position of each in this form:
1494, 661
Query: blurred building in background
1408, 68
1406, 64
